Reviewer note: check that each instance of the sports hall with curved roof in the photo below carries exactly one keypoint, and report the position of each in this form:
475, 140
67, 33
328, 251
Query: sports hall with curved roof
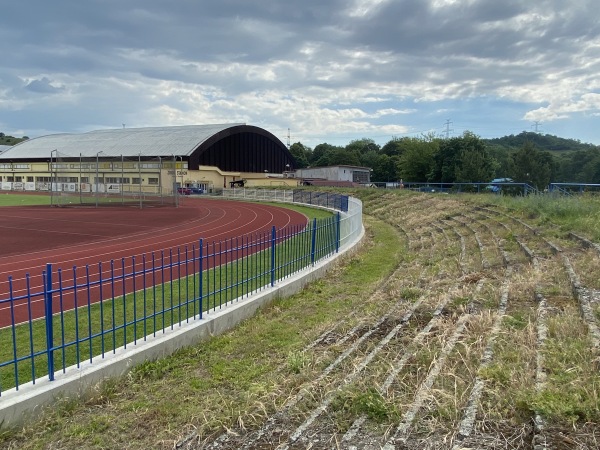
230, 147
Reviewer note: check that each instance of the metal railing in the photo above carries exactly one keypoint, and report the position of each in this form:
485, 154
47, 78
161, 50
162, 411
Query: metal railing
82, 314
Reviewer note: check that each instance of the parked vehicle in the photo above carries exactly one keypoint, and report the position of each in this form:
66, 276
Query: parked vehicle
184, 191
496, 184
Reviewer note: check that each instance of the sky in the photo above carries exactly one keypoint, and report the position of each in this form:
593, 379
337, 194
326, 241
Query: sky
310, 71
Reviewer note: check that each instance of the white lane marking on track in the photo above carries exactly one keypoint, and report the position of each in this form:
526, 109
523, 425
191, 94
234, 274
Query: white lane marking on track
267, 212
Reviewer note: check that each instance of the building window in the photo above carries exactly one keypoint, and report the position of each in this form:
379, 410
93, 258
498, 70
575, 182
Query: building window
85, 179
152, 180
30, 179
66, 179
360, 177
117, 180
150, 165
136, 181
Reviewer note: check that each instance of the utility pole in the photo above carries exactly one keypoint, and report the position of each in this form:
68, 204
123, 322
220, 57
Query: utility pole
448, 130
288, 139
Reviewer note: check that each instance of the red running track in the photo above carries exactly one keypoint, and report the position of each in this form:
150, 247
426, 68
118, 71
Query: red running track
31, 237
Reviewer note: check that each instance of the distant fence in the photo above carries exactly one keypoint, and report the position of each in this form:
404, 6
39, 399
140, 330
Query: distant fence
91, 311
339, 202
459, 188
574, 188
509, 188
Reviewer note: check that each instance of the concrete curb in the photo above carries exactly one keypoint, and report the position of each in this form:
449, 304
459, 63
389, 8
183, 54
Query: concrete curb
18, 406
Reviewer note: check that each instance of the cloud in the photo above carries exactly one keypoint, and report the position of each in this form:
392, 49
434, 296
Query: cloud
43, 86
333, 69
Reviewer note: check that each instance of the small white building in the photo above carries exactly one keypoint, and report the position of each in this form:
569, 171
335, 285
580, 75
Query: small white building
351, 174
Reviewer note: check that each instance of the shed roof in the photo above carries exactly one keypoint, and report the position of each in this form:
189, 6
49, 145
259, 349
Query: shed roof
151, 141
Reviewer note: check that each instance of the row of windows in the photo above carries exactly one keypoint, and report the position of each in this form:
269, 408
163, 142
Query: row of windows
14, 166
108, 180
103, 165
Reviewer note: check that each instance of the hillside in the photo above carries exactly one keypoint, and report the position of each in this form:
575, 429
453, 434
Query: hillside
10, 140
544, 142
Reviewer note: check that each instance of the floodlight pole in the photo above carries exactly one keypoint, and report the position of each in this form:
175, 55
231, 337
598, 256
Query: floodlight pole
122, 184
79, 184
52, 176
160, 191
175, 187
97, 175
140, 175
181, 160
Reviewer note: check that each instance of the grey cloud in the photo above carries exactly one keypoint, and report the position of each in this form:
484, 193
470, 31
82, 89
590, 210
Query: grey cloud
402, 49
43, 86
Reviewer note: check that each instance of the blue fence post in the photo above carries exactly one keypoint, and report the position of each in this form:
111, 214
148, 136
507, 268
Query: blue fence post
313, 244
273, 242
338, 232
200, 268
49, 324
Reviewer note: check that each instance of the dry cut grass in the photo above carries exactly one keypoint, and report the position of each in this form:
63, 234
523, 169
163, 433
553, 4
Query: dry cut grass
455, 326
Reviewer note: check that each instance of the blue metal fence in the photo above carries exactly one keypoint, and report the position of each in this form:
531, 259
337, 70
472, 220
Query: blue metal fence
92, 310
328, 200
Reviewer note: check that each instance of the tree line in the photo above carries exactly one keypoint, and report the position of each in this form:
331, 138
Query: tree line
10, 140
466, 158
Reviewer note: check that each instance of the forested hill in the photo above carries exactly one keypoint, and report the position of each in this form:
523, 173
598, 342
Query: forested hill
544, 142
10, 140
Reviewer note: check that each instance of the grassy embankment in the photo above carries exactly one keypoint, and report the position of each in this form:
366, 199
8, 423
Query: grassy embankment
243, 377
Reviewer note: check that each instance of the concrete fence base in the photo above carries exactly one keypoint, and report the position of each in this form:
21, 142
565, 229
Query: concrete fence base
29, 401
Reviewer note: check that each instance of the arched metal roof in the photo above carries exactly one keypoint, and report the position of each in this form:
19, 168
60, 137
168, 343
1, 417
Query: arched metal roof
236, 147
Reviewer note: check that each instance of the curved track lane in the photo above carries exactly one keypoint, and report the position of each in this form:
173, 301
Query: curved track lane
31, 237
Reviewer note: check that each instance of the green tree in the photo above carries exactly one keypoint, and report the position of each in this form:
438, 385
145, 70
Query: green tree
342, 156
362, 146
591, 172
417, 158
575, 166
301, 154
462, 159
393, 147
385, 168
321, 155
532, 166
505, 164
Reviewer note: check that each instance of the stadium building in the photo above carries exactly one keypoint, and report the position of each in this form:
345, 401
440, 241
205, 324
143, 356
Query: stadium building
155, 160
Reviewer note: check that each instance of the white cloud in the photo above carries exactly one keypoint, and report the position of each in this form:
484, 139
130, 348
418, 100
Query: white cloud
328, 69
